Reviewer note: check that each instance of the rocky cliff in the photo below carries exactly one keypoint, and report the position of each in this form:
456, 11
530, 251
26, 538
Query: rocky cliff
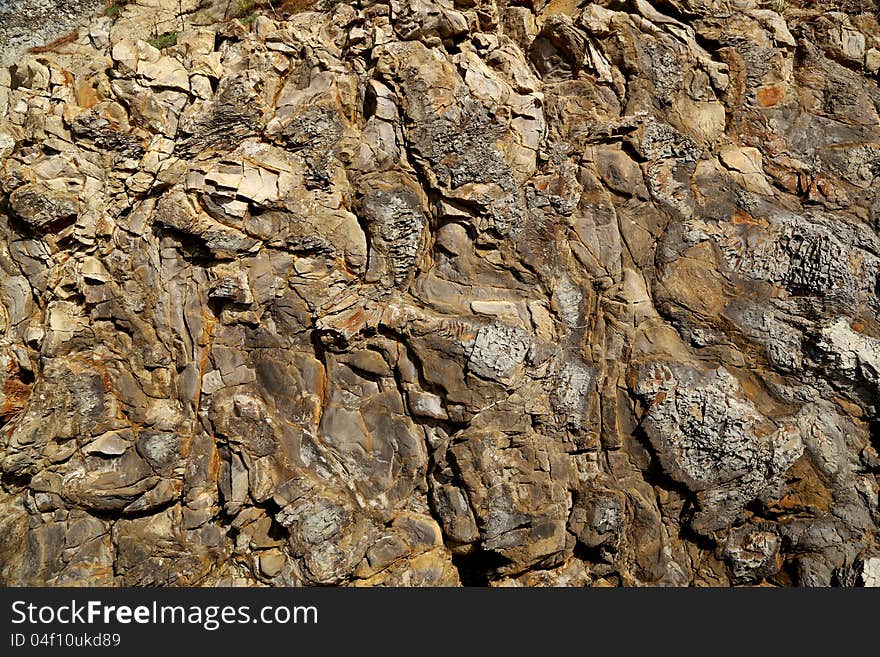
435, 292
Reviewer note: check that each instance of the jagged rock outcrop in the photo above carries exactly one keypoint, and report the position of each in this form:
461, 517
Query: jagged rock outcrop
443, 292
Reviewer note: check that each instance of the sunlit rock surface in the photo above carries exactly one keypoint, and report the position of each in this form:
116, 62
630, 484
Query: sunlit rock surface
438, 293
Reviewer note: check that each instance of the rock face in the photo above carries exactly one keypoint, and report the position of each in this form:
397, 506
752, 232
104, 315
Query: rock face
436, 292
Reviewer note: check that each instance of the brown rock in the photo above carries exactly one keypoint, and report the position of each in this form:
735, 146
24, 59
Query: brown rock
432, 293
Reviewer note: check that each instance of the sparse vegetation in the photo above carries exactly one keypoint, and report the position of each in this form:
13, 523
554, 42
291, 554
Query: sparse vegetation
247, 11
164, 40
290, 7
244, 7
249, 19
779, 6
114, 7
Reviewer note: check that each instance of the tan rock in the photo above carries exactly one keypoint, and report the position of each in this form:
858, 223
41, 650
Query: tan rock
872, 60
745, 166
431, 293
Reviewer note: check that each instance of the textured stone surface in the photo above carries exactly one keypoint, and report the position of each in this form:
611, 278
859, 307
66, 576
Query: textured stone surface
29, 23
429, 293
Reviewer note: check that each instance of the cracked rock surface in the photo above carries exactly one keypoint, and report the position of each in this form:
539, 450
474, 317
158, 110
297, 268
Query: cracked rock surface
443, 292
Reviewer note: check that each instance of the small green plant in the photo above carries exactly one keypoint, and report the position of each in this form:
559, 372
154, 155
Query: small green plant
164, 40
114, 7
250, 18
779, 6
244, 8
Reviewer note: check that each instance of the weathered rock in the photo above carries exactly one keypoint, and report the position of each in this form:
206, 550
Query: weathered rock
432, 293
